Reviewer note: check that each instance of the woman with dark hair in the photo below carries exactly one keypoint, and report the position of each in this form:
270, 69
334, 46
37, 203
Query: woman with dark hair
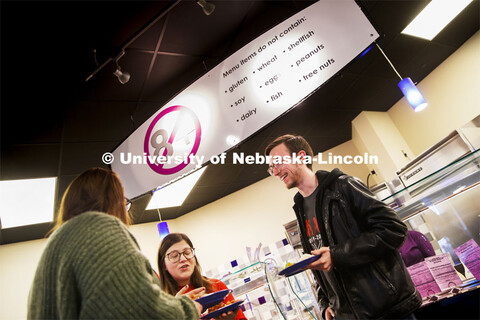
181, 274
92, 266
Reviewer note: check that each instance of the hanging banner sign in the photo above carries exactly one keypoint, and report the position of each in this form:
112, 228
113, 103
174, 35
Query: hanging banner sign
245, 92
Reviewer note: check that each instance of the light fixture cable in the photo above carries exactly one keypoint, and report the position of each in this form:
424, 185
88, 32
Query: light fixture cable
157, 205
388, 60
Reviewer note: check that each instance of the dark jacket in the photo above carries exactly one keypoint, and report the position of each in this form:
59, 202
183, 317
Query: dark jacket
369, 279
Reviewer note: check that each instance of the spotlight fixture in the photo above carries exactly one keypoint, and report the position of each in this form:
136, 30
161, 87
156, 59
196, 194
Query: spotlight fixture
207, 7
408, 88
122, 76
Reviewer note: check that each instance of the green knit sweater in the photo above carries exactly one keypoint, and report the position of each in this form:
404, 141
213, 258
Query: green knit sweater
92, 269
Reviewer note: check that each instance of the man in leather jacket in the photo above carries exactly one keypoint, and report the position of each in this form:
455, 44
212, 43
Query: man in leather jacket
360, 274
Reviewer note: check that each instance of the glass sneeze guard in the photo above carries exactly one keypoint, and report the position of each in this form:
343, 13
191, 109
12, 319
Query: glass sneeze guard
444, 206
459, 176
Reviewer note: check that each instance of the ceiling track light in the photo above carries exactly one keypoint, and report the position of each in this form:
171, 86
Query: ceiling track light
408, 88
122, 76
133, 38
207, 7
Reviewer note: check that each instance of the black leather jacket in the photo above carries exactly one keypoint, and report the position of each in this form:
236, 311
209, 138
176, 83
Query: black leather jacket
369, 279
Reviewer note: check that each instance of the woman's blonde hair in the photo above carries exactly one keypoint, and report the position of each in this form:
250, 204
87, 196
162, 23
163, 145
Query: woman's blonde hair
96, 189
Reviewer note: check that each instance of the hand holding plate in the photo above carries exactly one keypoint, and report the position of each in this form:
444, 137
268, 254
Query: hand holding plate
298, 267
324, 263
230, 315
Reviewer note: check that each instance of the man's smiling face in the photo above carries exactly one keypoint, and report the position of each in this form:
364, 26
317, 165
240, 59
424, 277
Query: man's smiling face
288, 173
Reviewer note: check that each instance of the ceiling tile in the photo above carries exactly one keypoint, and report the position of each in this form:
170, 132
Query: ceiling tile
427, 60
197, 39
29, 161
78, 157
112, 118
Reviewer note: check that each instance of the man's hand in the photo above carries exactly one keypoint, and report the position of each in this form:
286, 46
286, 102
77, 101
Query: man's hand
325, 261
329, 315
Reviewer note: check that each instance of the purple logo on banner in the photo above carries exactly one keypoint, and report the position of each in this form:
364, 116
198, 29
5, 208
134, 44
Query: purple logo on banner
165, 148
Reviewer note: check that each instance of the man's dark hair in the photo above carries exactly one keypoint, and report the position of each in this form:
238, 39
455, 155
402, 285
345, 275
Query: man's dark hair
294, 144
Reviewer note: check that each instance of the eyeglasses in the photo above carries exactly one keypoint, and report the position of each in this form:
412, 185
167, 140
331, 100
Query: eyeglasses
175, 256
128, 204
273, 167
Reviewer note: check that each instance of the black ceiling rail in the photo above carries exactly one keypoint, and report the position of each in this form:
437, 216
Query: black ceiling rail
134, 37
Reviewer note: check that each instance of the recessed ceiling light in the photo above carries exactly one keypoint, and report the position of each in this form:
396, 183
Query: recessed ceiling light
436, 15
174, 194
26, 202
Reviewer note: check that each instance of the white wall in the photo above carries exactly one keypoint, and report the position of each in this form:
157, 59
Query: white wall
18, 262
222, 229
375, 133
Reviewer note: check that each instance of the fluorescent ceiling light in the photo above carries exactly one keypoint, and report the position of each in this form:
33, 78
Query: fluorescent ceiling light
436, 15
26, 202
174, 194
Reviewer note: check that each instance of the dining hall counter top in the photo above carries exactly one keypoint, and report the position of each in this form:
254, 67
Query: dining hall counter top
460, 302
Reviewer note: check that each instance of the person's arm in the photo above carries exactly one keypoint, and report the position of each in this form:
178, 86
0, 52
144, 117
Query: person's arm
380, 229
116, 280
129, 291
192, 294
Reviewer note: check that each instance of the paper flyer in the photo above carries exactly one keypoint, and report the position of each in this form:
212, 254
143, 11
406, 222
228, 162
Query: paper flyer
469, 254
443, 272
423, 279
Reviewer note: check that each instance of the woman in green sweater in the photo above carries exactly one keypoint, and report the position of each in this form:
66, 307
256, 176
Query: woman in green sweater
92, 266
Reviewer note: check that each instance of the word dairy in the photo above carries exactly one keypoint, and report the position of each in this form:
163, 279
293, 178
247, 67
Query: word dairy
248, 114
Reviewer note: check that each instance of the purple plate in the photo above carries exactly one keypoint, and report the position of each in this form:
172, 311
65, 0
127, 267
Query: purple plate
225, 309
298, 267
213, 298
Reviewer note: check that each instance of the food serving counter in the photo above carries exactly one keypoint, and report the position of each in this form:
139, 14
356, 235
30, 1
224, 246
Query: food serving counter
460, 302
264, 293
447, 212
